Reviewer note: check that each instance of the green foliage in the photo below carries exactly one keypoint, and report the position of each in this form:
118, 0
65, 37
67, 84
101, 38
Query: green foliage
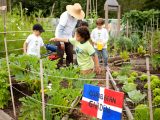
157, 114
154, 77
4, 86
156, 92
122, 79
125, 70
135, 96
141, 50
124, 55
134, 74
115, 74
129, 87
155, 60
123, 44
143, 77
155, 83
136, 41
141, 112
131, 79
156, 100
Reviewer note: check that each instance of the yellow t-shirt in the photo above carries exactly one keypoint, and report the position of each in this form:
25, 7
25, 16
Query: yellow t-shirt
84, 52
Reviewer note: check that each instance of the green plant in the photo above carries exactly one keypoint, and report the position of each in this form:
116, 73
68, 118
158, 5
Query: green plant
129, 87
4, 92
125, 70
122, 79
155, 83
124, 55
134, 74
141, 112
143, 77
141, 50
156, 92
155, 60
135, 96
154, 77
157, 114
115, 74
156, 100
131, 79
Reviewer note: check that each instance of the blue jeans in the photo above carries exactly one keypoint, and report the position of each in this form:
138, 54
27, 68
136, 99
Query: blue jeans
103, 54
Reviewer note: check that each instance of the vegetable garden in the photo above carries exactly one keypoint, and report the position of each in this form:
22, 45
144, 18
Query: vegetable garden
40, 89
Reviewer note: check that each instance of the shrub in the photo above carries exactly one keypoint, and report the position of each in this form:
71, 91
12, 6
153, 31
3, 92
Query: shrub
141, 112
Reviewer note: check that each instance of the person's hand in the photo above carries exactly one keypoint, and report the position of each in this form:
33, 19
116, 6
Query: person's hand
97, 69
62, 46
53, 40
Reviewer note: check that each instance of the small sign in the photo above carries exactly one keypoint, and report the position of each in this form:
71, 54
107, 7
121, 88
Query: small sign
102, 103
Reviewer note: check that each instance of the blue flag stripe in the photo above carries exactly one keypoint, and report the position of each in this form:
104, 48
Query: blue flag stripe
91, 92
110, 115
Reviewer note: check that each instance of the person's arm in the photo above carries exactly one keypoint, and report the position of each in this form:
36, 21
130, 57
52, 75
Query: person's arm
25, 45
96, 63
59, 40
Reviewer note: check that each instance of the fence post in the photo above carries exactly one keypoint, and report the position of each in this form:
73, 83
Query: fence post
149, 87
4, 9
42, 88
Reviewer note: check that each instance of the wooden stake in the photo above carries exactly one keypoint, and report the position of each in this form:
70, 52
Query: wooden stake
7, 60
107, 78
119, 20
106, 16
149, 88
87, 8
42, 88
127, 27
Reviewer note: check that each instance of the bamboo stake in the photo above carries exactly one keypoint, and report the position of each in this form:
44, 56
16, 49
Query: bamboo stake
149, 88
96, 8
157, 24
107, 78
42, 88
90, 6
119, 17
127, 27
7, 60
87, 8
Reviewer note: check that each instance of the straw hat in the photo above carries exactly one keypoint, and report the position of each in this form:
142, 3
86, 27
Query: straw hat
76, 11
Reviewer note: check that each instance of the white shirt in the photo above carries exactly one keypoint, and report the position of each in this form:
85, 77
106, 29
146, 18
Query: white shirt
100, 35
34, 45
66, 26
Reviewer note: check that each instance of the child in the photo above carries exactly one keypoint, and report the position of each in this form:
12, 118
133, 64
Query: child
34, 41
100, 37
86, 56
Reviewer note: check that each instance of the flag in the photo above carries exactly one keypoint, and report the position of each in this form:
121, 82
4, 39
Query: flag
102, 103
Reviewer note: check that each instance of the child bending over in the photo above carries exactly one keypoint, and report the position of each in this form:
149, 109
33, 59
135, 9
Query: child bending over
86, 55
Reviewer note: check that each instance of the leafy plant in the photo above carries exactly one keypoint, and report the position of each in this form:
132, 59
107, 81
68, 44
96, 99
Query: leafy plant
122, 79
4, 92
156, 92
141, 50
143, 77
156, 114
115, 74
135, 96
129, 87
134, 74
131, 79
125, 70
155, 60
154, 77
124, 55
156, 100
141, 112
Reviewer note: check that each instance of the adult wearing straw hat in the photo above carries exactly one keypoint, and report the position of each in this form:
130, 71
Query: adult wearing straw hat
65, 28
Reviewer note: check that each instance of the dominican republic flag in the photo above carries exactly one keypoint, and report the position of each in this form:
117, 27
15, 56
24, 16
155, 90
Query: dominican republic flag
102, 103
